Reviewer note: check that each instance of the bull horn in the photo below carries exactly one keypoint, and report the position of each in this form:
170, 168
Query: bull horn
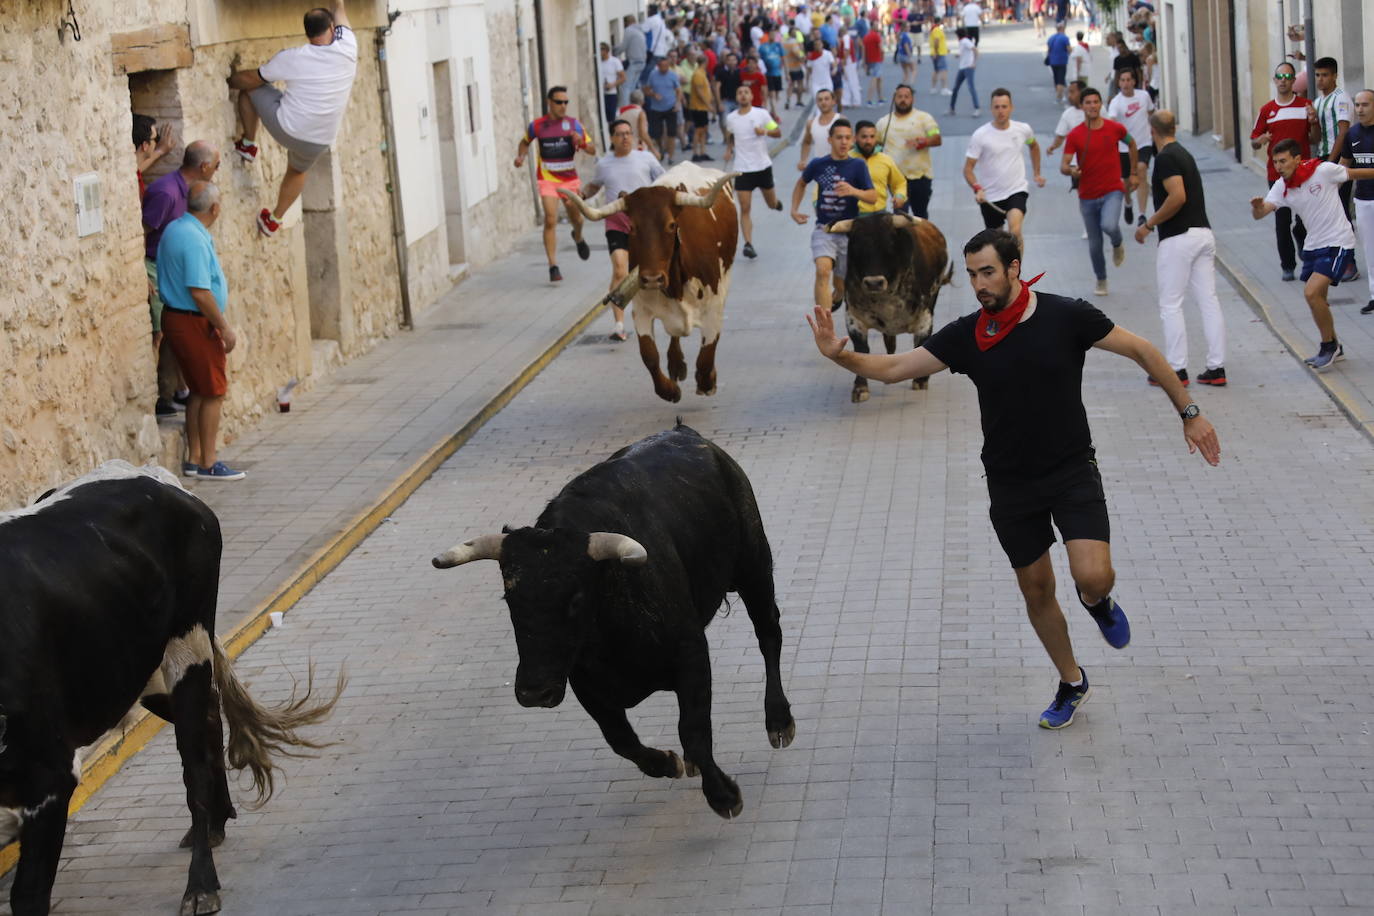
605, 545
595, 214
486, 547
708, 200
841, 228
902, 221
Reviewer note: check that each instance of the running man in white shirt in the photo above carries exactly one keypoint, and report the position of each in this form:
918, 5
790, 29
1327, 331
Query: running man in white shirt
996, 148
1312, 188
1132, 108
1080, 59
305, 118
748, 128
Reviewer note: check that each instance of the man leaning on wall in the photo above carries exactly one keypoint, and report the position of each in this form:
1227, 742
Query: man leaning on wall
305, 118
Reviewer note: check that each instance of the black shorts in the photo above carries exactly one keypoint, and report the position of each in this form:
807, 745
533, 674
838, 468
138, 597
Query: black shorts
698, 117
798, 76
775, 83
992, 219
1143, 155
661, 122
1072, 497
755, 181
617, 240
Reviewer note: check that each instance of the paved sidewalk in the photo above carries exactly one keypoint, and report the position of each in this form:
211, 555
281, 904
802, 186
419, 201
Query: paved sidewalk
1248, 253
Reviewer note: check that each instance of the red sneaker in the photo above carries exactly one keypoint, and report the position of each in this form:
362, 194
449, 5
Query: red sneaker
267, 225
249, 151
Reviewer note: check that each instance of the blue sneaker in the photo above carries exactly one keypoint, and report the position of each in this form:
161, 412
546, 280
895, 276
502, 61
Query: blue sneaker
1325, 357
1111, 620
1066, 702
190, 469
220, 471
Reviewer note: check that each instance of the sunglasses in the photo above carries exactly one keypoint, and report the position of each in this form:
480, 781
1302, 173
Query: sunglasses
558, 101
1286, 77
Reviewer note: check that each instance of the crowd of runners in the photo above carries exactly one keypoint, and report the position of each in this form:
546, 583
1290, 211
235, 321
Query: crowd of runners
683, 75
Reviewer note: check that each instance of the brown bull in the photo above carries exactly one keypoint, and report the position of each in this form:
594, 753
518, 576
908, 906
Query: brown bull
682, 244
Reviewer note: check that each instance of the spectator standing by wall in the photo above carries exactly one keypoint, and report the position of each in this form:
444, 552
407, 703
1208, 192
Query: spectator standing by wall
1359, 153
152, 141
192, 285
1187, 253
1283, 118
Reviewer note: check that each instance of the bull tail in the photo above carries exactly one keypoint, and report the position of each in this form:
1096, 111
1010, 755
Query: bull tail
948, 278
258, 733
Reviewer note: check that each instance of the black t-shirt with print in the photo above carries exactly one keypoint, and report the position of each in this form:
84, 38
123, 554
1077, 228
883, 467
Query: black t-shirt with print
1030, 385
1173, 161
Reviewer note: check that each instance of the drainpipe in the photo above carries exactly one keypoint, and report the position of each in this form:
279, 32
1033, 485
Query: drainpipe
543, 52
523, 59
1235, 82
398, 225
1310, 49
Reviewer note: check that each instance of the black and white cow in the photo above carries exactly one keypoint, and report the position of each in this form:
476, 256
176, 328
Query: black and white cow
897, 265
110, 586
612, 589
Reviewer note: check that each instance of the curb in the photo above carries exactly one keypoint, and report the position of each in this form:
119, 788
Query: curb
105, 758
1339, 392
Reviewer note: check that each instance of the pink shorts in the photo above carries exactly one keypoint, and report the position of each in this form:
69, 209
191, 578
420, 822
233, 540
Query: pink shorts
548, 187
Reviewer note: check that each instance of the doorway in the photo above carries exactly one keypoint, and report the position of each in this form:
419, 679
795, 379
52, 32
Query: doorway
446, 121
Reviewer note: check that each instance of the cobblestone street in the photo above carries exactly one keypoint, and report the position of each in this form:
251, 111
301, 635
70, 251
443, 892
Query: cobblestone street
1221, 765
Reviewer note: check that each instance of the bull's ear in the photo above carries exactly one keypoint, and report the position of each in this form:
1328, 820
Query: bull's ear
607, 545
840, 228
902, 221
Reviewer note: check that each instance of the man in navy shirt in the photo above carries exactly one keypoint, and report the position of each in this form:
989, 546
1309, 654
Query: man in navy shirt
1057, 58
1358, 152
1024, 353
841, 182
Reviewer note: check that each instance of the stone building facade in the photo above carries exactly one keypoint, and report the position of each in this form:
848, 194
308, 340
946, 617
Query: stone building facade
77, 367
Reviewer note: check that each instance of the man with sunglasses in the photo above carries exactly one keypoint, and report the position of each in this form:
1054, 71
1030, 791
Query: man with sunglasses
559, 137
1283, 118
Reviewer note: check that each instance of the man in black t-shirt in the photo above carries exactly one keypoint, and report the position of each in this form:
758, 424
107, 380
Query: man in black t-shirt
1187, 253
1024, 353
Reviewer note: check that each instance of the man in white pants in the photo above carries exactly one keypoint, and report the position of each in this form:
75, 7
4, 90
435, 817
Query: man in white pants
1358, 151
1187, 252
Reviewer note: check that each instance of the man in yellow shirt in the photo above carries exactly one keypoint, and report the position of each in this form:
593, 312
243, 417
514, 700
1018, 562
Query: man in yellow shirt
699, 107
907, 134
939, 59
887, 177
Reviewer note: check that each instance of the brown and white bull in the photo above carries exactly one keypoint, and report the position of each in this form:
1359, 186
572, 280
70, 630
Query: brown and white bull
897, 265
682, 245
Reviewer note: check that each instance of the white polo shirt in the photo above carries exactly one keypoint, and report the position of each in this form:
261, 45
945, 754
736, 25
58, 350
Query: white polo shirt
1317, 203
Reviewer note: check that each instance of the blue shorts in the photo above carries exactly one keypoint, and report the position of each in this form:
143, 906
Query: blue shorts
1329, 262
873, 69
940, 61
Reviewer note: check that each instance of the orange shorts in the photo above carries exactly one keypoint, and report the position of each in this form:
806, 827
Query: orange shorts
199, 351
549, 187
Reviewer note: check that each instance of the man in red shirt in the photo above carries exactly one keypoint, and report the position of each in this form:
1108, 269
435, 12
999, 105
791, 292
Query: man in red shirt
750, 75
1284, 118
1100, 191
873, 65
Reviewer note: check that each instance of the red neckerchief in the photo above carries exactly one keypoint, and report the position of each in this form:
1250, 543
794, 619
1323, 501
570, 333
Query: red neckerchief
993, 327
1304, 172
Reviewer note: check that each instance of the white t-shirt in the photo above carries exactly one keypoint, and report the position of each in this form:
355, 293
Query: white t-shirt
1317, 202
972, 13
1079, 61
751, 150
1000, 159
966, 53
803, 23
820, 135
609, 68
1071, 118
756, 35
1134, 115
318, 80
819, 72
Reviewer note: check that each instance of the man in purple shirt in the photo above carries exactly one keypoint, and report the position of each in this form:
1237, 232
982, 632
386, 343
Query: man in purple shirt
165, 201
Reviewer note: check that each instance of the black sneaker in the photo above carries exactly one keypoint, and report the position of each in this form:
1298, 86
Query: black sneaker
1368, 309
164, 408
1215, 377
1140, 220
181, 399
1130, 215
1288, 274
749, 251
584, 251
1183, 377
555, 275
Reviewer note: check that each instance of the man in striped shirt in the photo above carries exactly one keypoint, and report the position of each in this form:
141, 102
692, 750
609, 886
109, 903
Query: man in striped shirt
1329, 118
557, 137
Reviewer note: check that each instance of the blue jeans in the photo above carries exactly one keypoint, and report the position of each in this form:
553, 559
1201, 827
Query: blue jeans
965, 76
1102, 214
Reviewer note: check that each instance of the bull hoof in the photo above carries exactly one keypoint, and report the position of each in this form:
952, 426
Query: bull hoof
216, 838
704, 392
671, 395
667, 765
677, 371
199, 903
690, 768
783, 737
920, 384
731, 803
858, 395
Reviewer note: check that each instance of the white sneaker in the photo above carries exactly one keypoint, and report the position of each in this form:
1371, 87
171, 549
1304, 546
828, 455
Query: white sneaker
1101, 288
1119, 255
976, 112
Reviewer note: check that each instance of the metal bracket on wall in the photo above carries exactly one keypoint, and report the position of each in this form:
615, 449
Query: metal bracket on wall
69, 22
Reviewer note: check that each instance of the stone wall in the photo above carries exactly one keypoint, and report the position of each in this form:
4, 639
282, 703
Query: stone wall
76, 366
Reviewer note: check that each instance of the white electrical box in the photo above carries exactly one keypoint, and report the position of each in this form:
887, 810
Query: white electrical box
89, 216
424, 120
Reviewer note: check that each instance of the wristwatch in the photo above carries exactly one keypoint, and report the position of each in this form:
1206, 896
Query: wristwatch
1189, 412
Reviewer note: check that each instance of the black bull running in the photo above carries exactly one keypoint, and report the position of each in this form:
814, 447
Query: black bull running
612, 589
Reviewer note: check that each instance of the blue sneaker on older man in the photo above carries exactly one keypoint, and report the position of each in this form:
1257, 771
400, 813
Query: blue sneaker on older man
220, 471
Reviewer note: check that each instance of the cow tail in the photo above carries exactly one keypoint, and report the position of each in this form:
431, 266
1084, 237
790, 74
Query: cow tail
258, 733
